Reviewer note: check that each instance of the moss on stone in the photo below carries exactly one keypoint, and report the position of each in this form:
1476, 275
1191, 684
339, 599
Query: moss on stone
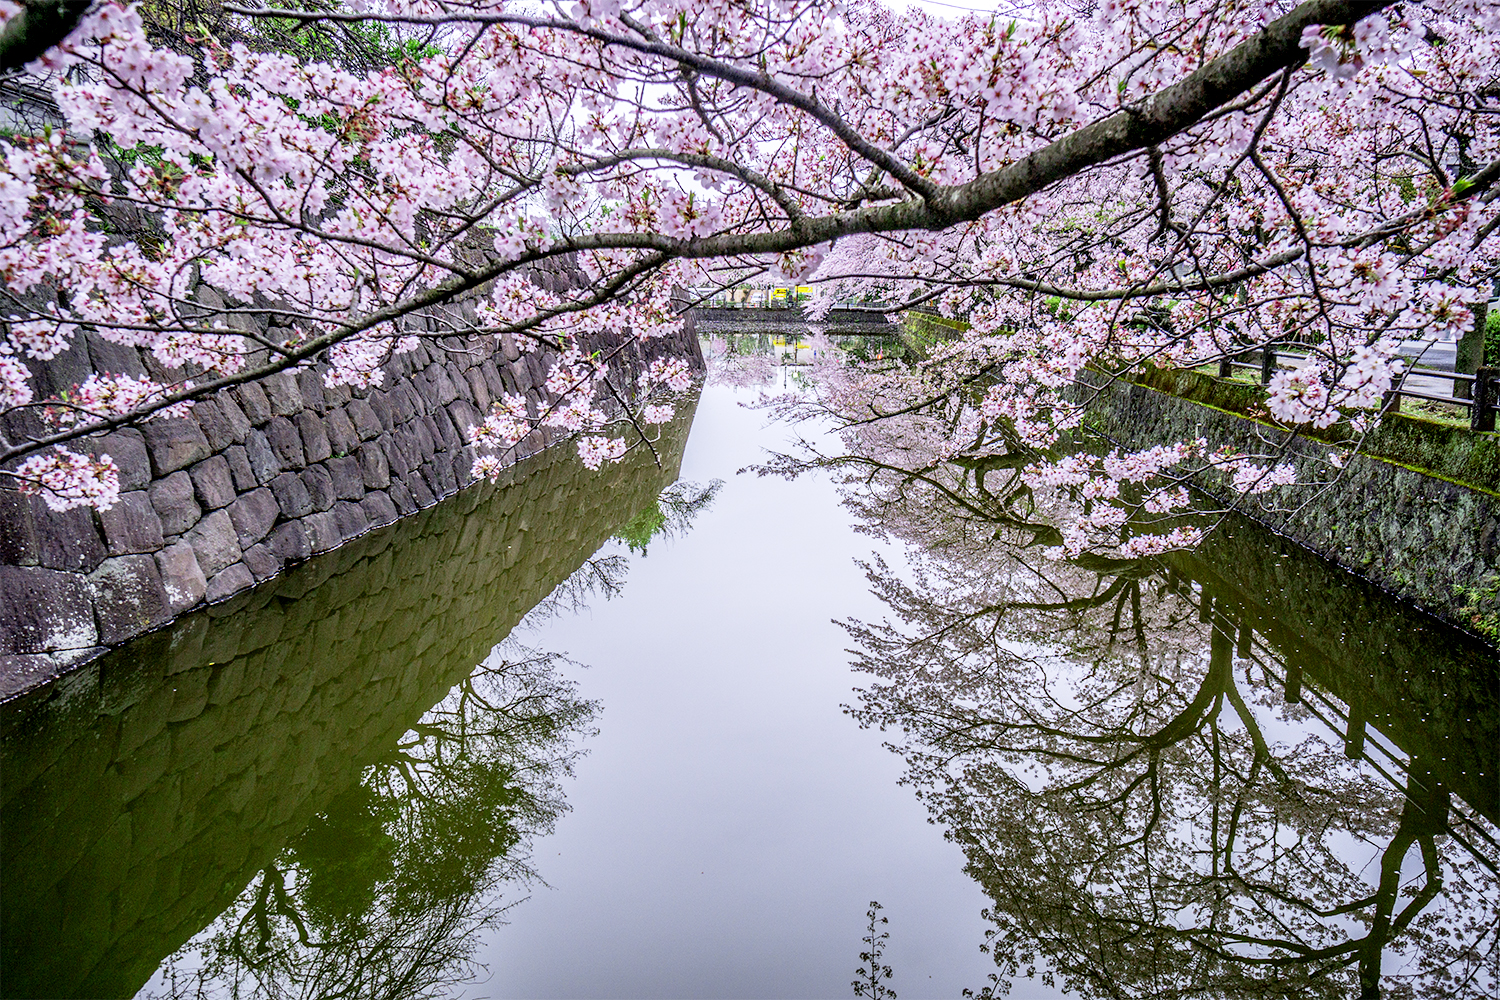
1444, 451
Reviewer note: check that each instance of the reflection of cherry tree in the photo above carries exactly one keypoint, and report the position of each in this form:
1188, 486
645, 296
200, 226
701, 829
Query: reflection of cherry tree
1139, 812
742, 360
385, 892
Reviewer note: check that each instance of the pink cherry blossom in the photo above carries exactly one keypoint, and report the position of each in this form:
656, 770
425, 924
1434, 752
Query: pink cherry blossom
1340, 205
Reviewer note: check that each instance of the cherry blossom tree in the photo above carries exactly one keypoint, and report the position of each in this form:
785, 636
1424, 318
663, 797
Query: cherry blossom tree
1106, 184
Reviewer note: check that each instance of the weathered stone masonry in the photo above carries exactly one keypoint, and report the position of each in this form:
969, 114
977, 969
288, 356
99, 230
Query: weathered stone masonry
140, 792
1415, 533
259, 477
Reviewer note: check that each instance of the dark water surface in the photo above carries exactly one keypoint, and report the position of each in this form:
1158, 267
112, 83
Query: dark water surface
1236, 772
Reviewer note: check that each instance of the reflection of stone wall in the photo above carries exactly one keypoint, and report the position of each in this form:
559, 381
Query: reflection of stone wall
141, 793
1412, 534
1432, 692
259, 477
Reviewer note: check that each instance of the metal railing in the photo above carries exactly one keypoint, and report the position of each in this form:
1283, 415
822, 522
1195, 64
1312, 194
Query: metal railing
1482, 400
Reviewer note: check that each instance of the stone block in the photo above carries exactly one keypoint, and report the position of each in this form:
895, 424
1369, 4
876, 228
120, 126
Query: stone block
463, 466
289, 542
181, 576
465, 416
336, 395
286, 442
215, 543
444, 391
433, 474
366, 424
319, 486
442, 427
492, 378
253, 515
44, 610
425, 431
479, 390
107, 356
229, 409
536, 369
283, 393
315, 444
18, 542
351, 519
131, 525
213, 484
402, 498
239, 468
385, 410
310, 384
66, 539
342, 437
421, 493
229, 582
60, 373
263, 461
408, 403
129, 597
128, 450
291, 495
509, 384
396, 459
427, 391
262, 562
322, 531
176, 503
252, 399
379, 509
446, 475
373, 467
174, 443
348, 481
407, 441
210, 418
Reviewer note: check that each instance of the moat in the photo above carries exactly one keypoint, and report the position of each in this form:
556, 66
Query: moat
525, 744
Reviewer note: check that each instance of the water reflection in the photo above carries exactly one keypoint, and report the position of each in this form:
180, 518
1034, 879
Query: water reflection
383, 893
752, 358
311, 783
1234, 772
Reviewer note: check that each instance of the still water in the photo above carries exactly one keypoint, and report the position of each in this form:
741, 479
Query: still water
1235, 772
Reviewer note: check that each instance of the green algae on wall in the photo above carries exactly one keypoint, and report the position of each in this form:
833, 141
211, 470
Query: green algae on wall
1441, 450
1421, 534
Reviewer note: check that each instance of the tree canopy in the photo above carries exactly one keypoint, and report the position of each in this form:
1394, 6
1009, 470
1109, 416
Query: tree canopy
1071, 183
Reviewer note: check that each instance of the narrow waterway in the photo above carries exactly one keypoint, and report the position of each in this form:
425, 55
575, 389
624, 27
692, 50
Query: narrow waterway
730, 824
405, 770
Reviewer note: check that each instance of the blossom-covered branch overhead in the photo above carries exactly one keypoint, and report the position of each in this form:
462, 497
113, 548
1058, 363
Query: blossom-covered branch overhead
1163, 182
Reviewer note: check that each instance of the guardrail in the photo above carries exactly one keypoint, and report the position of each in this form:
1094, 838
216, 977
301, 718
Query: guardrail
1482, 401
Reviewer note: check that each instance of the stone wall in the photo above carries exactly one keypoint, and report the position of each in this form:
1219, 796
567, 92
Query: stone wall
260, 477
1414, 534
141, 792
